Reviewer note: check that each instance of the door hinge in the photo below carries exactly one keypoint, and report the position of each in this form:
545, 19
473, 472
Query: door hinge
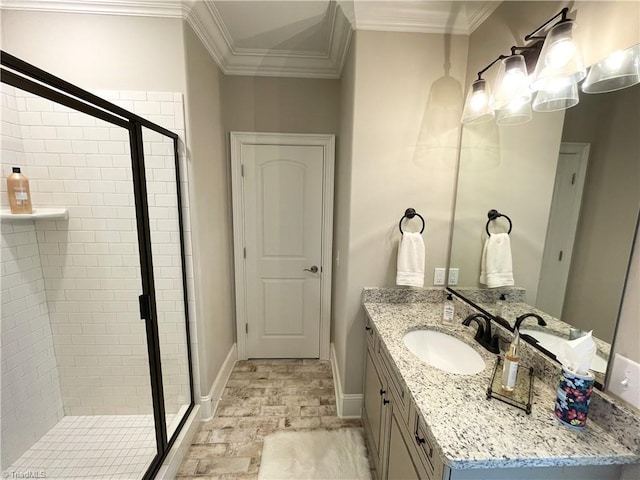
573, 179
242, 170
246, 328
244, 252
560, 256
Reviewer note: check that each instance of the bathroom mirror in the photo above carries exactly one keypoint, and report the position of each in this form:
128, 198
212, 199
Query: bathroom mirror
570, 246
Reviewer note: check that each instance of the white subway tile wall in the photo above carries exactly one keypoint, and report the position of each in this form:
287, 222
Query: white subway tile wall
31, 402
89, 265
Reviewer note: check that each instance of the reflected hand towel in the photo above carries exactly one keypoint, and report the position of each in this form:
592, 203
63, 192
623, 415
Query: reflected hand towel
497, 267
411, 260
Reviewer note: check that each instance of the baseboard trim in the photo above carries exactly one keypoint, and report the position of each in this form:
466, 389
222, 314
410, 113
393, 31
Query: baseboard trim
209, 403
348, 405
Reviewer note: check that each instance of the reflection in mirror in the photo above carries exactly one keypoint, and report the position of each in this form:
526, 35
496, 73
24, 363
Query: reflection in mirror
569, 183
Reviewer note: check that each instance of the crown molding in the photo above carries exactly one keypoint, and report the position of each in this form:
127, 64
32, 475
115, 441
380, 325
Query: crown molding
205, 20
207, 23
416, 19
271, 63
138, 8
481, 14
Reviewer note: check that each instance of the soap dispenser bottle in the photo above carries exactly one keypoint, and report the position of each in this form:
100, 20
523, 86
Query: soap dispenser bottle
18, 190
448, 310
500, 305
510, 366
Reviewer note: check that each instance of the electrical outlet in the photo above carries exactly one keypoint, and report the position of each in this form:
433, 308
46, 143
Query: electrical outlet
439, 276
453, 276
625, 380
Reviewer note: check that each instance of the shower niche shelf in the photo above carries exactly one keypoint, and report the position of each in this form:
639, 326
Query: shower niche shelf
38, 214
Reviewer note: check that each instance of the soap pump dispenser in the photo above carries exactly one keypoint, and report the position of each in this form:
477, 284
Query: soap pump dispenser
500, 305
510, 366
448, 310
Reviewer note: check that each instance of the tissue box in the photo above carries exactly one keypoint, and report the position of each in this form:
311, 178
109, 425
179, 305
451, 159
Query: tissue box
573, 397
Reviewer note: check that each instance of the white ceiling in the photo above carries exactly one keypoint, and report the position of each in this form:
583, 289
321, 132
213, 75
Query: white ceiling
299, 38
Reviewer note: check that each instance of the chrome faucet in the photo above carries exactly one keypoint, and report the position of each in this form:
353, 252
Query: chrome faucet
575, 332
483, 334
523, 317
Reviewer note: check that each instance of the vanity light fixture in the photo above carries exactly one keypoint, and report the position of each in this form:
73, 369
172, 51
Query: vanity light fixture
559, 95
619, 70
477, 107
514, 114
512, 83
558, 69
561, 57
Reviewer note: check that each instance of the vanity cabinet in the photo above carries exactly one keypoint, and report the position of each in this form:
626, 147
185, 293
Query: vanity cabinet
397, 441
401, 447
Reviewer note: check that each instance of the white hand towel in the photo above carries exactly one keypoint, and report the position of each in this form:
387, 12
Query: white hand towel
411, 260
497, 268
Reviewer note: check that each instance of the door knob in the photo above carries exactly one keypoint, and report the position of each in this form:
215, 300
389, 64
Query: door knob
313, 269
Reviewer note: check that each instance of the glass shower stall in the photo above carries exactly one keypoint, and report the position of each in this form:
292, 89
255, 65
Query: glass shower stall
96, 377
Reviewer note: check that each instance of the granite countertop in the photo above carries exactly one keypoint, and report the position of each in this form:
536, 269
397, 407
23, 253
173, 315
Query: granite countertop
471, 431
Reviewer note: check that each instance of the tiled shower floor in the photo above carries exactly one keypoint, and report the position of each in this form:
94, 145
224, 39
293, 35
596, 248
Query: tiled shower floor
91, 447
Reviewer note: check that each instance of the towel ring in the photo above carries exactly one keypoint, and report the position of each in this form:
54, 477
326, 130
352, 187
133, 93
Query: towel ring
410, 213
494, 215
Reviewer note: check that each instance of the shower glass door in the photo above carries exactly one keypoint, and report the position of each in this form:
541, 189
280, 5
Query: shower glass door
161, 166
76, 391
96, 364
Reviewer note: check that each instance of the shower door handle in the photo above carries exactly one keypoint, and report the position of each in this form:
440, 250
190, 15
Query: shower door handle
313, 269
145, 307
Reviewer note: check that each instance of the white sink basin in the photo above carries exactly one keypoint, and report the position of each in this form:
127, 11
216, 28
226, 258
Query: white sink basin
553, 342
444, 352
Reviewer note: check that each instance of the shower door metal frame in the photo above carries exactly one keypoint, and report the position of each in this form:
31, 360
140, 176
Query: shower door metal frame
22, 75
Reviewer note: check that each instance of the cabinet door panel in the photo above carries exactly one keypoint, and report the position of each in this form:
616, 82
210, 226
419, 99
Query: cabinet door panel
373, 408
400, 464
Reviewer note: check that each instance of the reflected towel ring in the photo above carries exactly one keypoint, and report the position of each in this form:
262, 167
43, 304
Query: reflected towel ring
494, 215
410, 213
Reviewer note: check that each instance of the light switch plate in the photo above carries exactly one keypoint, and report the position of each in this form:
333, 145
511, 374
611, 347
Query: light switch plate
625, 380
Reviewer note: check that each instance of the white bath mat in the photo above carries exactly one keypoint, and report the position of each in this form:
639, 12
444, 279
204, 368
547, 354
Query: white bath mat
315, 454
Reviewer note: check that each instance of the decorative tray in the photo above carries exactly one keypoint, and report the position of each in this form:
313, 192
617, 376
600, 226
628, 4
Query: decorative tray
521, 395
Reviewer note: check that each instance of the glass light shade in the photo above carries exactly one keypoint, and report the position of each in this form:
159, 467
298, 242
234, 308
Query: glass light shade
619, 70
560, 58
512, 83
477, 107
514, 114
560, 95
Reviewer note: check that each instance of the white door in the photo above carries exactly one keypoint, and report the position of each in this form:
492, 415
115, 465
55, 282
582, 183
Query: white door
561, 231
284, 264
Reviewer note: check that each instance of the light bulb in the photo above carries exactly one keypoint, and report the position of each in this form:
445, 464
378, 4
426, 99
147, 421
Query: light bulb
478, 101
513, 80
560, 54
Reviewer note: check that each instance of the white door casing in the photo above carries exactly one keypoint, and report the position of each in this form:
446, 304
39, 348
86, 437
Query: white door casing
563, 223
282, 186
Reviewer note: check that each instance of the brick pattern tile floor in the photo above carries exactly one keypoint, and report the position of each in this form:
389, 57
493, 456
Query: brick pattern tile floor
261, 397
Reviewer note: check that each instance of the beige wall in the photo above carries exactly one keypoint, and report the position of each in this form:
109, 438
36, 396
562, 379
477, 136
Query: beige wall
100, 51
211, 206
403, 154
342, 210
284, 105
604, 238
